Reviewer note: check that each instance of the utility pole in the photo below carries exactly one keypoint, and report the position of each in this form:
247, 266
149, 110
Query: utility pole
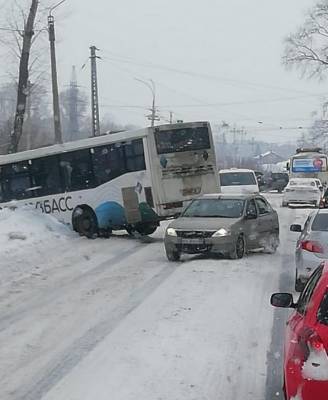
73, 125
153, 116
23, 78
94, 92
171, 117
55, 96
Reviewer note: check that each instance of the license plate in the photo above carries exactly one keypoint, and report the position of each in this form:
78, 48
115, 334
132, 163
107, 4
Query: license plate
193, 241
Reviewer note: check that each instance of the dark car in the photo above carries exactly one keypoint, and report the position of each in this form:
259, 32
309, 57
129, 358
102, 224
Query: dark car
260, 180
278, 181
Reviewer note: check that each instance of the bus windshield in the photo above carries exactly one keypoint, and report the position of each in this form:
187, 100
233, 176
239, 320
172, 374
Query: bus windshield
184, 139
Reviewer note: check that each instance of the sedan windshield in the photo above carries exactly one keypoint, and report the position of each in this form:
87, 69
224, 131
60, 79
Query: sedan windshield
237, 178
320, 223
215, 208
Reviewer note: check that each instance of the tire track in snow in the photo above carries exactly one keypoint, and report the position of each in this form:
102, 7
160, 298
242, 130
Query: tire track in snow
59, 367
45, 297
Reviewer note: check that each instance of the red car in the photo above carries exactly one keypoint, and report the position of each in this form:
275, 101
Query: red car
306, 340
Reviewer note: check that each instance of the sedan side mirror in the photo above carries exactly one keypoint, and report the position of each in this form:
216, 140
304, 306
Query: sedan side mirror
282, 300
296, 228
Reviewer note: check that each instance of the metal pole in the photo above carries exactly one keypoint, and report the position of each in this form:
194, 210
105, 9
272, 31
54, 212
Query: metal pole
55, 96
94, 93
152, 117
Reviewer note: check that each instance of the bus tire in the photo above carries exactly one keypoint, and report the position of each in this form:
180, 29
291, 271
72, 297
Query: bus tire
130, 230
146, 228
85, 222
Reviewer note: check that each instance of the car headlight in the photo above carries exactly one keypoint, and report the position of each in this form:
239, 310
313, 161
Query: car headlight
222, 232
171, 232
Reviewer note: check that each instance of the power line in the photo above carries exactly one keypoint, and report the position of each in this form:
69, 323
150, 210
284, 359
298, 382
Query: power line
130, 60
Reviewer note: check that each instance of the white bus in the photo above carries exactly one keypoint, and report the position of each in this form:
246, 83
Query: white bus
130, 180
309, 163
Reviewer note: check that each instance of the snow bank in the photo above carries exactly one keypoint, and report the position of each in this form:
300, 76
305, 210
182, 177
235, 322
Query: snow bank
25, 227
316, 367
299, 395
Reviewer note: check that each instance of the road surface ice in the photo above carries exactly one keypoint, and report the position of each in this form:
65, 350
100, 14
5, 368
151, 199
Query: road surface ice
113, 319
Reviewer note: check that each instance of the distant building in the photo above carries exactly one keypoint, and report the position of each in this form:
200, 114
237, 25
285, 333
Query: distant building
268, 158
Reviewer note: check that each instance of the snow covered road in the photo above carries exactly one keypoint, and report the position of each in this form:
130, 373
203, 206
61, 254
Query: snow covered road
112, 319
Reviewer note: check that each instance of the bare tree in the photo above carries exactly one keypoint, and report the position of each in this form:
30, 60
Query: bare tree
307, 48
22, 89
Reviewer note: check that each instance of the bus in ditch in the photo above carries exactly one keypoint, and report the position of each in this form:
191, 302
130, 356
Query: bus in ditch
309, 163
129, 180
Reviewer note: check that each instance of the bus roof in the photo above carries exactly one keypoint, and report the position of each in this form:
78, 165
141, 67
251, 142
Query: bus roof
309, 154
71, 146
89, 142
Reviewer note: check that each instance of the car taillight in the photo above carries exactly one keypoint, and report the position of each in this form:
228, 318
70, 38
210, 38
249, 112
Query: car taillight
312, 246
310, 341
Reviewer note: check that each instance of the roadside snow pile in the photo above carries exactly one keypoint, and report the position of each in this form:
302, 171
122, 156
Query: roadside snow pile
24, 226
316, 367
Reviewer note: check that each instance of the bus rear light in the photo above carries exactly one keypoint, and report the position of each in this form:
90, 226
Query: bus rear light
169, 206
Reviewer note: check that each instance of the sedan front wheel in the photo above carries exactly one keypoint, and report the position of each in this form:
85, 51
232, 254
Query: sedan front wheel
240, 249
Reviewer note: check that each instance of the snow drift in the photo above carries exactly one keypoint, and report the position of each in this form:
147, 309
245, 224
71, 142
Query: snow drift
25, 227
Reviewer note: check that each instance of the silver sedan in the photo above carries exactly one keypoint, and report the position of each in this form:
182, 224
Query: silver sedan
226, 224
311, 247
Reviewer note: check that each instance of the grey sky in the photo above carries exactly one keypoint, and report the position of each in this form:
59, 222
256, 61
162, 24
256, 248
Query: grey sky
233, 47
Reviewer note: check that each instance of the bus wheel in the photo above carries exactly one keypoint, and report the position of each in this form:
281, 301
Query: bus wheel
130, 230
85, 222
146, 229
105, 233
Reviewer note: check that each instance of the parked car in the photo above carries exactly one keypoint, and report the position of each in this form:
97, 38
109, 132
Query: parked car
236, 180
261, 180
226, 224
306, 339
311, 247
278, 181
302, 191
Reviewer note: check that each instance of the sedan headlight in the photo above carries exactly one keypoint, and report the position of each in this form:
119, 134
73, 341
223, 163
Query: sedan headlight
171, 232
222, 232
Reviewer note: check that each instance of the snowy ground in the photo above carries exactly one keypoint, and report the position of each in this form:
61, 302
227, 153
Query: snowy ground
112, 319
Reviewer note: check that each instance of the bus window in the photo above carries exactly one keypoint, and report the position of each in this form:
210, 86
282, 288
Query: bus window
108, 162
184, 139
134, 156
46, 175
77, 171
16, 181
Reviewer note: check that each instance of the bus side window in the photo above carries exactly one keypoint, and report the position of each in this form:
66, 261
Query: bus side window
77, 171
46, 176
108, 162
2, 186
16, 181
134, 156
